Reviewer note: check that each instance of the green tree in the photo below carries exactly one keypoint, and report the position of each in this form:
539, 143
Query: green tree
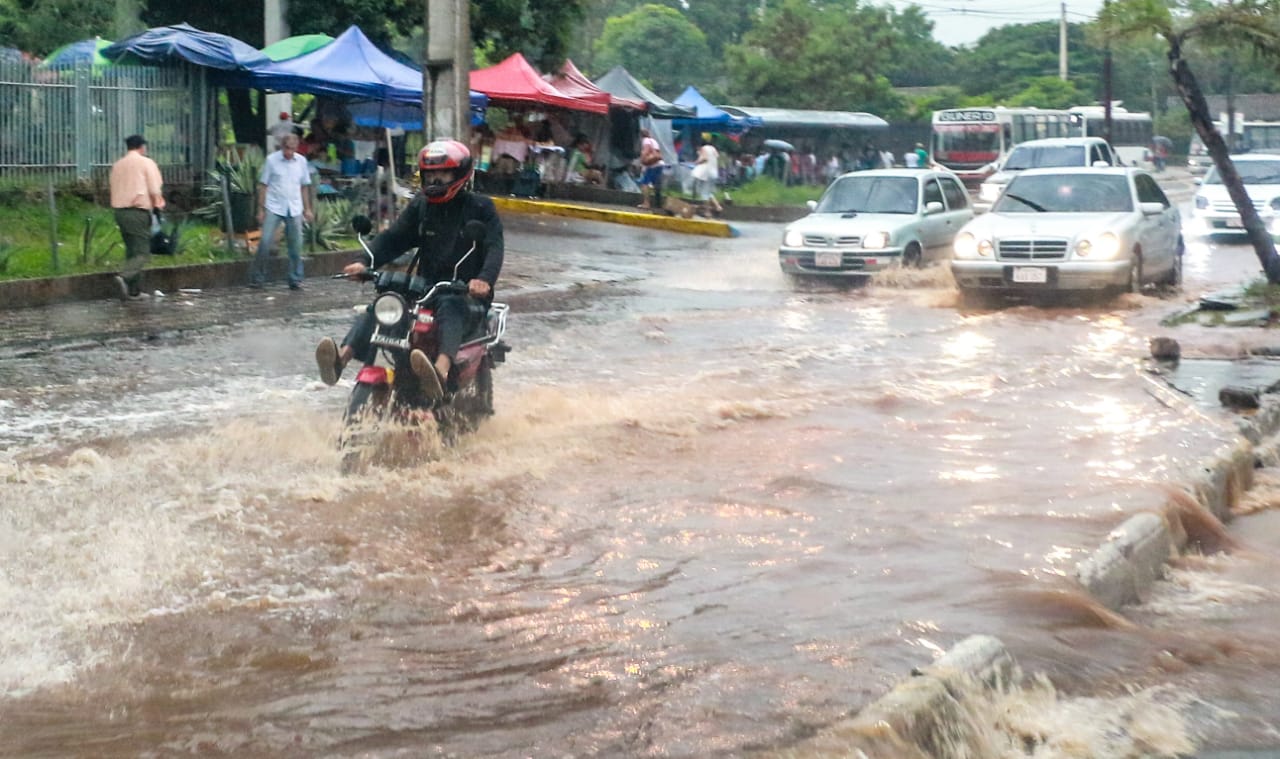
924, 56
41, 26
648, 42
1047, 92
1249, 24
1007, 58
804, 56
594, 15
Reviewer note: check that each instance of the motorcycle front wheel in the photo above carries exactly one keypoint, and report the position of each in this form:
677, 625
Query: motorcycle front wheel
366, 412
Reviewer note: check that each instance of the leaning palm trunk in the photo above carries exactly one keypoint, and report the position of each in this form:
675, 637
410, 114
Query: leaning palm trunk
1198, 109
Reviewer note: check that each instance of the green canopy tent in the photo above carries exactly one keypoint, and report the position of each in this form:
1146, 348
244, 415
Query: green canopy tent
292, 47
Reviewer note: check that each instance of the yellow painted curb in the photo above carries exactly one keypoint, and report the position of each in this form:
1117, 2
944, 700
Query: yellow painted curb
708, 227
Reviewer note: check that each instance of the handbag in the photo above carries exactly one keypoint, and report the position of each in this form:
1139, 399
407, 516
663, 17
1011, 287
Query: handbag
162, 243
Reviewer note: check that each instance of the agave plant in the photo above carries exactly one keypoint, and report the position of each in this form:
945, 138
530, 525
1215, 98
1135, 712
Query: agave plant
332, 223
240, 168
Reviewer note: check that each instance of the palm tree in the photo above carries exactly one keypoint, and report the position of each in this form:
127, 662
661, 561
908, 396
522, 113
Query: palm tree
1252, 23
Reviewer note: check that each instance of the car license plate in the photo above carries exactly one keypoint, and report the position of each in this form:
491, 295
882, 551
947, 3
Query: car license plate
830, 260
1030, 274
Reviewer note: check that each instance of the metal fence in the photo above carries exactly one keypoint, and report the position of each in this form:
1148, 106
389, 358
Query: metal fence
63, 124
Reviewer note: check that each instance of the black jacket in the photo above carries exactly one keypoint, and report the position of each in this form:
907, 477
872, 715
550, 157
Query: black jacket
436, 230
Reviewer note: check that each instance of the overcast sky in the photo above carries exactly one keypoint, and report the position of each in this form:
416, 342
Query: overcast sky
962, 22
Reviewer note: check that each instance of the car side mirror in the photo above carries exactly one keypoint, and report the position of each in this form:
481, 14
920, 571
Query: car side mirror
1151, 209
812, 205
362, 224
932, 207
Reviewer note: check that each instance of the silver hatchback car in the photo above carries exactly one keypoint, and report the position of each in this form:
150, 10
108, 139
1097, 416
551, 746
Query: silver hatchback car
867, 221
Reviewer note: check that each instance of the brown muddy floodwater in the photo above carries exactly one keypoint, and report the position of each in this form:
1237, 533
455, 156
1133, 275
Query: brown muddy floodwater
715, 512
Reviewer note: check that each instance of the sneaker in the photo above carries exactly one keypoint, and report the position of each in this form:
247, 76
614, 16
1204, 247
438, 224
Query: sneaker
327, 360
122, 287
426, 374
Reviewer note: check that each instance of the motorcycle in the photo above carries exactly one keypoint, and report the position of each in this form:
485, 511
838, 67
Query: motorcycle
387, 392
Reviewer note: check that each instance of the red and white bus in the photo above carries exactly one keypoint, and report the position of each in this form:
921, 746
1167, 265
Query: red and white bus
973, 142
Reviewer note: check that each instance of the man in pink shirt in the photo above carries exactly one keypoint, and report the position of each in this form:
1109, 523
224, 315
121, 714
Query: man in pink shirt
135, 193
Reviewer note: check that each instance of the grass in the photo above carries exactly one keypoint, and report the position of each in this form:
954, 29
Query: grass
89, 240
767, 191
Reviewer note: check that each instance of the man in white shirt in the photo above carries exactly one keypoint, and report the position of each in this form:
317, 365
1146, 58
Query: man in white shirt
281, 199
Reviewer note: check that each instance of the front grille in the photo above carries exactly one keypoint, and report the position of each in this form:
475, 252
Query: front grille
824, 241
1033, 250
1226, 206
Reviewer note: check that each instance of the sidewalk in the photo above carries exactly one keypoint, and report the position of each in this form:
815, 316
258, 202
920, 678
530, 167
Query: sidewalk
27, 293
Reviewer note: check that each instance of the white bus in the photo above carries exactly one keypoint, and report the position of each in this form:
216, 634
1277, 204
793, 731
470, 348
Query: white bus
973, 142
1260, 136
1131, 131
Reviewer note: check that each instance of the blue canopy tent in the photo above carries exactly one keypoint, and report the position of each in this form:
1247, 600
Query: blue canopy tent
708, 116
350, 67
183, 42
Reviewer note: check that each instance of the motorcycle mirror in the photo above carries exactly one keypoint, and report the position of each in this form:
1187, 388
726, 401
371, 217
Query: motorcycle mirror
361, 224
474, 231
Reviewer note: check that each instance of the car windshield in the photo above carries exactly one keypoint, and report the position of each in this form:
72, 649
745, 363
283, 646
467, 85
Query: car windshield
1066, 193
857, 194
1044, 157
1251, 172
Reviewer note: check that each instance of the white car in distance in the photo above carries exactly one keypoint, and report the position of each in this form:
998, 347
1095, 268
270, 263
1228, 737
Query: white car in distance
1213, 211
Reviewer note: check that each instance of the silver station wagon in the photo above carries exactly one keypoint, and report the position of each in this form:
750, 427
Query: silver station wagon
868, 221
1076, 229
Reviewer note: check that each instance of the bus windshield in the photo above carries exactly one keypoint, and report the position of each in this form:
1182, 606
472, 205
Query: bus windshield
969, 143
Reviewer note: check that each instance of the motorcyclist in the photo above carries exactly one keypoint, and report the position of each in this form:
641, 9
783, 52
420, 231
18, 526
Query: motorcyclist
433, 223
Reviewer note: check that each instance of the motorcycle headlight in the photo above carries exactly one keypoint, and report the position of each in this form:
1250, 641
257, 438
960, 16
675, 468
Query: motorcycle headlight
876, 241
1202, 201
389, 309
793, 238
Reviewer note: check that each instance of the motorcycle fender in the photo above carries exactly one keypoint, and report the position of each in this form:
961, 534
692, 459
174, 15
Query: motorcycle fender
376, 375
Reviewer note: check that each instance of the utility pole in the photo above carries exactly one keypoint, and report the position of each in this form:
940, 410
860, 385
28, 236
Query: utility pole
1062, 44
275, 27
1106, 84
446, 79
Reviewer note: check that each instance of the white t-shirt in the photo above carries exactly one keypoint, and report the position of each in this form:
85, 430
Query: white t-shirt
911, 159
709, 168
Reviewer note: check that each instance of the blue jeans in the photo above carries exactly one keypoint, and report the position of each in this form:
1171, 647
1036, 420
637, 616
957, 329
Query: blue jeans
293, 235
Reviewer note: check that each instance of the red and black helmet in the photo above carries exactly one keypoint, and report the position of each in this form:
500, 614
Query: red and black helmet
444, 155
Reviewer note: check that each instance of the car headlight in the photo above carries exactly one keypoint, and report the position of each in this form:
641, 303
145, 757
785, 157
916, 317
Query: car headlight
793, 238
389, 309
967, 245
876, 241
1104, 246
989, 192
1202, 201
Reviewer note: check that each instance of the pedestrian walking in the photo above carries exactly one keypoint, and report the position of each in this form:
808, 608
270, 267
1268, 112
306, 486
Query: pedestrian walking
135, 193
281, 200
706, 173
653, 163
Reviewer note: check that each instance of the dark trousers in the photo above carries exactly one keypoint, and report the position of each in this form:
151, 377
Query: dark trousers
135, 229
456, 316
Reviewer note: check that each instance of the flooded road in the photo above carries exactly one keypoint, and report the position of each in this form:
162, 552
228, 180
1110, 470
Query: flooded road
715, 512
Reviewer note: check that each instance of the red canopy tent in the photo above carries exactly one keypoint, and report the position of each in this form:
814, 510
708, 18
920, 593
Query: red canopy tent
515, 81
571, 82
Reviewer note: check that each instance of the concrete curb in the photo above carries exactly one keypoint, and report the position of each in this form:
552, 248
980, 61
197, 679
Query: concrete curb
1124, 568
927, 713
653, 221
